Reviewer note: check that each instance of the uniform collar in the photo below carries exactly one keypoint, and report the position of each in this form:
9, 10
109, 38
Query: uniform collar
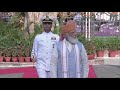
47, 33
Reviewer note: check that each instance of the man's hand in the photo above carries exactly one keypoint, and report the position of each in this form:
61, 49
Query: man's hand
33, 60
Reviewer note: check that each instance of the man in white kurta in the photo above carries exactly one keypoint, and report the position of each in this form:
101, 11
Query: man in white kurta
42, 48
70, 57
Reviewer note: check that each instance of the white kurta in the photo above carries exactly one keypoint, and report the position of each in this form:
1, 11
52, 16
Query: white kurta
42, 48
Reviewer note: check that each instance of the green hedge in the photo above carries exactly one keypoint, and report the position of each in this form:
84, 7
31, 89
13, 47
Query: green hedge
13, 41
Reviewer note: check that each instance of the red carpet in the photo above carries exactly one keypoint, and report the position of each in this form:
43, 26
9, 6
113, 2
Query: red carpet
30, 72
92, 73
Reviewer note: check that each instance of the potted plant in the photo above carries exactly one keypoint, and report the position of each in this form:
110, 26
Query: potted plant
14, 55
20, 53
90, 49
113, 46
100, 46
90, 54
7, 55
1, 55
27, 54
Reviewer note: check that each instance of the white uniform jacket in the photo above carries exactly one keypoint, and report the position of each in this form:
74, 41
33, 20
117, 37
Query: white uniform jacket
42, 49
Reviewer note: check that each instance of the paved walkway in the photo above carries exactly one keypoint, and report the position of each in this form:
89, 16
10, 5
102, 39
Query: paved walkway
107, 71
105, 61
103, 67
13, 75
101, 71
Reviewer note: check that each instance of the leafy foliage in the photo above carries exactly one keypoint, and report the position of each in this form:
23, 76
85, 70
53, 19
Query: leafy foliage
17, 20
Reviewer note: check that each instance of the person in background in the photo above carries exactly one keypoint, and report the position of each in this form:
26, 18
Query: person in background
78, 20
113, 16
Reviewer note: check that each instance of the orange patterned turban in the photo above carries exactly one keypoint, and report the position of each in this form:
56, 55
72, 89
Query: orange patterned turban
70, 26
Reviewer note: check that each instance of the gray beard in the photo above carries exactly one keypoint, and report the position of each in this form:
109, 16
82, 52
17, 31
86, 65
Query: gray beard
72, 40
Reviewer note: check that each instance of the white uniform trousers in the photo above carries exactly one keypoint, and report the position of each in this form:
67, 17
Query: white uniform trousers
43, 73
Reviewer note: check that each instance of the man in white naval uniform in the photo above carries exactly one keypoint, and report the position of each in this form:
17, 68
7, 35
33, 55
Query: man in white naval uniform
42, 48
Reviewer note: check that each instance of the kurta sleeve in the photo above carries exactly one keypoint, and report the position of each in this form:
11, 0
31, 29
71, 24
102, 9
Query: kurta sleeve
54, 59
34, 48
84, 63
